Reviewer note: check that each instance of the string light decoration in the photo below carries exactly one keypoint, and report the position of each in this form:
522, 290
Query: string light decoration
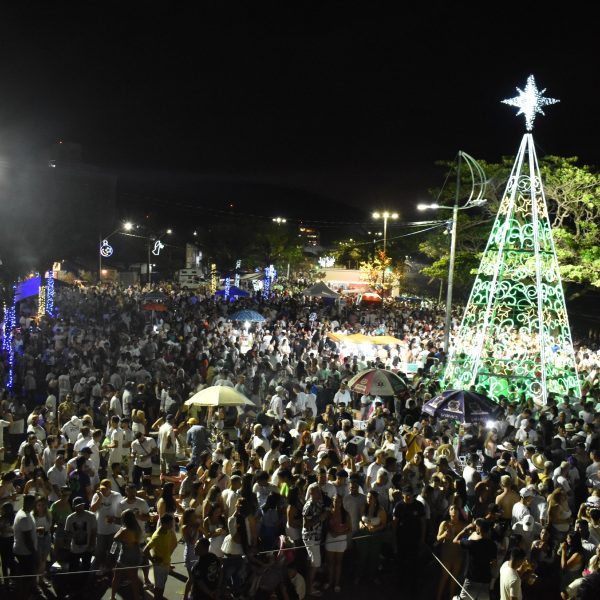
327, 261
270, 276
236, 279
158, 246
10, 323
41, 302
213, 278
515, 337
530, 102
227, 288
50, 293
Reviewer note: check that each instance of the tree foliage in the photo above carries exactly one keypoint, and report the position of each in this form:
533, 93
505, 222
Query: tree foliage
381, 273
573, 197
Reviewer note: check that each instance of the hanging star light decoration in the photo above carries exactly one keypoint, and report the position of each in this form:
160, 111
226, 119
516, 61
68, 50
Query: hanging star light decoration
530, 102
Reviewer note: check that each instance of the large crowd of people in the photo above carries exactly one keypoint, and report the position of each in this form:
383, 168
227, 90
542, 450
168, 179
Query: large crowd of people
312, 490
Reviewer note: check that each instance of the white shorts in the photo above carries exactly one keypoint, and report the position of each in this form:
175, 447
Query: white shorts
336, 543
313, 549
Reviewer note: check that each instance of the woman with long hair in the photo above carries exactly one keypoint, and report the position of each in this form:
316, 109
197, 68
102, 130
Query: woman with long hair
215, 528
572, 558
213, 497
559, 514
38, 484
29, 462
190, 532
415, 471
167, 505
336, 541
129, 538
449, 553
544, 562
372, 522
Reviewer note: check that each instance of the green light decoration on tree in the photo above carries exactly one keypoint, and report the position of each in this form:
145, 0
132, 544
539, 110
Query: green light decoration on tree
515, 337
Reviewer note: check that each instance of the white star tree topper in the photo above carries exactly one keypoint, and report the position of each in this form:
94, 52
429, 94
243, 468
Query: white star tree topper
530, 102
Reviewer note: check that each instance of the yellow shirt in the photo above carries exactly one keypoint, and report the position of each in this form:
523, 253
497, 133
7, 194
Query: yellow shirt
162, 544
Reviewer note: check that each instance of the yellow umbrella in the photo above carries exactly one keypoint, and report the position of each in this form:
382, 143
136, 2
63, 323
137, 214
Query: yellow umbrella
219, 395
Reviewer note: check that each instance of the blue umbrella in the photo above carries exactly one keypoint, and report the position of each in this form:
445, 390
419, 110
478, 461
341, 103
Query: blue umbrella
462, 405
246, 315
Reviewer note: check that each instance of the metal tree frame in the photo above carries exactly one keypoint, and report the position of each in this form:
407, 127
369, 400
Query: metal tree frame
514, 337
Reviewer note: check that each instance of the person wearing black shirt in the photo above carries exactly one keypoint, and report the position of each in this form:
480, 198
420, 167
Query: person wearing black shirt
206, 573
409, 537
482, 553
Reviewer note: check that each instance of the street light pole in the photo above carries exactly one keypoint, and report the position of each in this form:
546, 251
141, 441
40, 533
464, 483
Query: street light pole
448, 322
128, 226
478, 181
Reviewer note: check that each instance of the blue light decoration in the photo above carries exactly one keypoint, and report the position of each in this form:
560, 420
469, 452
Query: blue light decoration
106, 250
10, 322
50, 293
270, 276
227, 287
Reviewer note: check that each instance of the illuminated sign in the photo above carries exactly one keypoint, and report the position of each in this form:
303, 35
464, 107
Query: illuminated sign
327, 261
158, 246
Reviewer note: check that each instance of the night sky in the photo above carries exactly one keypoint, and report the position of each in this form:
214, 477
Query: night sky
347, 101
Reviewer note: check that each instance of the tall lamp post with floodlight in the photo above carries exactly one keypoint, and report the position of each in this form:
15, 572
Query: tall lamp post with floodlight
385, 215
105, 250
478, 182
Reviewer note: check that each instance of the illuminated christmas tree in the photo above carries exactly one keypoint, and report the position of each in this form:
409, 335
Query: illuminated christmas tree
515, 336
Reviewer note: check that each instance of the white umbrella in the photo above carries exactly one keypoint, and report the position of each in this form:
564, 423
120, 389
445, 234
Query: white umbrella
218, 395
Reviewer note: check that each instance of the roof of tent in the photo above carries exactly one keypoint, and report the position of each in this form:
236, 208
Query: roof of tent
320, 290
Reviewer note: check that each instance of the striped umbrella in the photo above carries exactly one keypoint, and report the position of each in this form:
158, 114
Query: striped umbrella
378, 382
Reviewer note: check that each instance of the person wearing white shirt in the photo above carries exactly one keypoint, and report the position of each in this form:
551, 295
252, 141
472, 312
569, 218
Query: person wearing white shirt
57, 476
139, 506
85, 437
25, 544
167, 444
71, 429
231, 495
105, 503
521, 509
115, 406
343, 395
271, 457
311, 400
116, 441
510, 579
276, 403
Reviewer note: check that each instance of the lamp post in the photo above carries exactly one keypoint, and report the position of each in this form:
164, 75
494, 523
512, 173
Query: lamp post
473, 201
385, 215
282, 221
127, 226
378, 235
